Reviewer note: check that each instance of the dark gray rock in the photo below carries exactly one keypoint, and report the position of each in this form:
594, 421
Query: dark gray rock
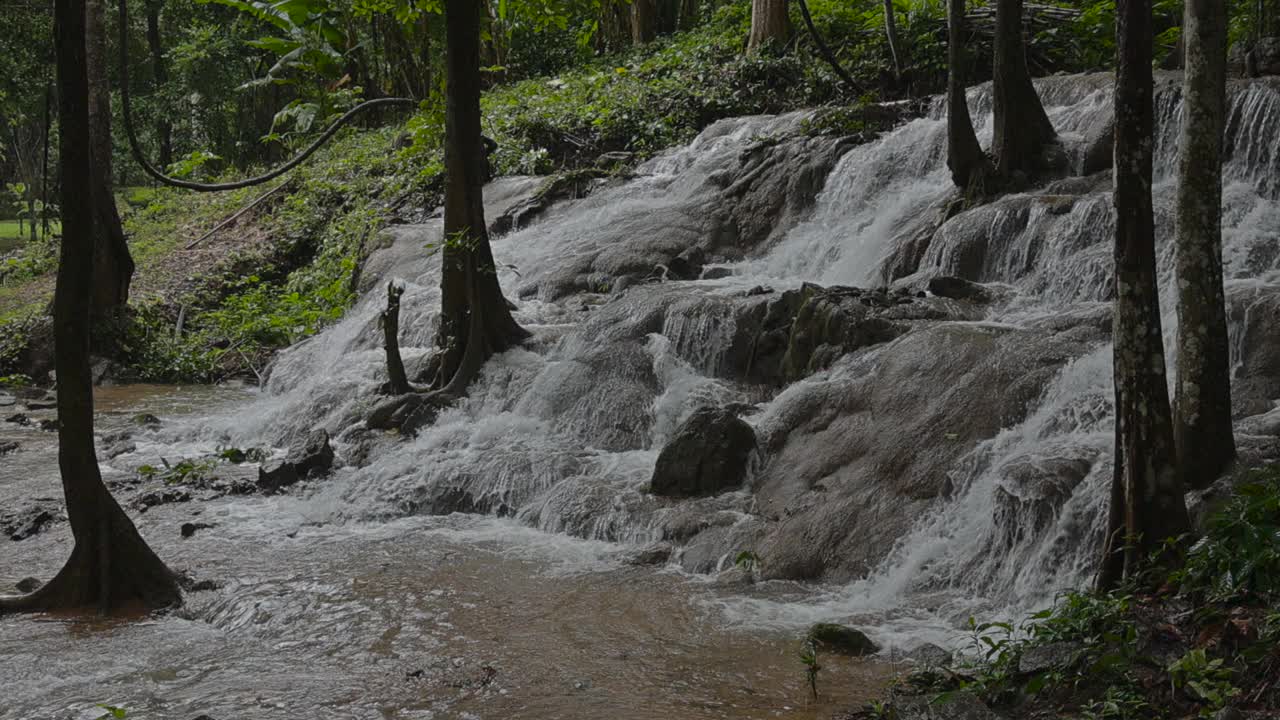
191, 528
28, 519
18, 419
716, 273
28, 585
312, 455
1228, 713
960, 289
48, 425
160, 496
275, 475
655, 554
930, 655
841, 640
116, 449
1050, 656
687, 265
7, 400
8, 446
1266, 56
709, 453
146, 420
47, 402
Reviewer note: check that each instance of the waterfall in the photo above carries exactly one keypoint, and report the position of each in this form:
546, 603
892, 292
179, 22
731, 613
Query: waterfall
562, 434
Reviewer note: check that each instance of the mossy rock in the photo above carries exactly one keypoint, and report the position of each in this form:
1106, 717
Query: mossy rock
842, 640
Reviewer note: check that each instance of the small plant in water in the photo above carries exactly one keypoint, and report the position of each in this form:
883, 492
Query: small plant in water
112, 713
748, 561
809, 657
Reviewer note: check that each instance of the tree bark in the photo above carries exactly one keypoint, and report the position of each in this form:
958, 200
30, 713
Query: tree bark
1203, 429
769, 22
644, 21
970, 167
111, 568
398, 380
1022, 128
113, 266
891, 34
475, 322
159, 77
1147, 483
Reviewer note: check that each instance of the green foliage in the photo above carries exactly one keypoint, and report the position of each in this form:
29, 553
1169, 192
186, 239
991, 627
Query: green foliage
1238, 559
808, 656
183, 472
1204, 678
112, 712
1121, 701
748, 561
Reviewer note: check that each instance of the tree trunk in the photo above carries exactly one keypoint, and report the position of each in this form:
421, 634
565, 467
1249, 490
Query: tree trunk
1022, 128
1203, 392
688, 15
475, 322
769, 22
1145, 471
111, 568
159, 77
970, 167
891, 34
644, 21
113, 266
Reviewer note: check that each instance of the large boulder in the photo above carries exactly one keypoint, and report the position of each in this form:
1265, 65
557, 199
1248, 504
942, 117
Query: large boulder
311, 455
841, 640
710, 453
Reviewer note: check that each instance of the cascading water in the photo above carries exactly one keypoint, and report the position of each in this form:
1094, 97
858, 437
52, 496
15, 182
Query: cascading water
563, 434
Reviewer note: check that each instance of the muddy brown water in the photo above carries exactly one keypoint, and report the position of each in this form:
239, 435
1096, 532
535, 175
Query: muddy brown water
453, 617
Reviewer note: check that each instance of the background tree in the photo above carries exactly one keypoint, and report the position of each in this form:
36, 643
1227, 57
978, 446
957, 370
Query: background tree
970, 167
113, 265
1147, 505
891, 36
159, 79
1203, 429
1021, 126
111, 567
769, 22
475, 322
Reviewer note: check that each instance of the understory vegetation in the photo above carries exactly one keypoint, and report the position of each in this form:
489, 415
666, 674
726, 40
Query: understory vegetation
1186, 644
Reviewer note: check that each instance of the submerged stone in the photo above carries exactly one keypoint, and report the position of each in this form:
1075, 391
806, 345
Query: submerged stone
312, 455
841, 640
275, 475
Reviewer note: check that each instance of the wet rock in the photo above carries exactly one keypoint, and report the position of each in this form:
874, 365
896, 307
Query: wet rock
1228, 713
1255, 311
930, 655
312, 455
47, 402
145, 420
8, 446
161, 496
27, 520
960, 289
1032, 490
405, 413
18, 419
7, 400
709, 453
759, 290
116, 449
1098, 152
48, 425
28, 585
1050, 656
614, 158
687, 265
275, 475
655, 554
947, 706
833, 322
191, 528
716, 273
841, 640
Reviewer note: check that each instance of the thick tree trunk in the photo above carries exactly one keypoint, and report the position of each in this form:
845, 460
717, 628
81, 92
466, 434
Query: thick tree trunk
475, 321
111, 568
644, 21
1147, 477
1203, 392
769, 22
970, 167
891, 34
1022, 129
113, 266
159, 77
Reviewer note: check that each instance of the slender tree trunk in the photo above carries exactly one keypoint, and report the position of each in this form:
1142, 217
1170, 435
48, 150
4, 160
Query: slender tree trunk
475, 322
769, 22
1203, 395
1145, 470
644, 21
111, 568
159, 77
1022, 128
113, 266
970, 167
688, 15
891, 34
397, 379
